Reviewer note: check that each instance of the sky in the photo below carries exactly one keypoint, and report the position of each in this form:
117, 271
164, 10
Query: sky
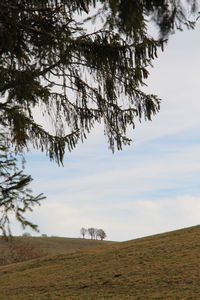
151, 186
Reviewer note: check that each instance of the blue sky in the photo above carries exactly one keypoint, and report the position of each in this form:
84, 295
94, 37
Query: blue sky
151, 186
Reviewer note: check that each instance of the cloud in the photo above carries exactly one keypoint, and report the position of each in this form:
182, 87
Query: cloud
163, 170
121, 221
130, 194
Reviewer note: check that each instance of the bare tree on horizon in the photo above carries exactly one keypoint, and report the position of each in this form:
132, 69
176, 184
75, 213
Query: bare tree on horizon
91, 232
101, 234
83, 232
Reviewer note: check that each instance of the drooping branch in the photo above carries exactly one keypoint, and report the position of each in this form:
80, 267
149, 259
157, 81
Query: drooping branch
15, 196
80, 77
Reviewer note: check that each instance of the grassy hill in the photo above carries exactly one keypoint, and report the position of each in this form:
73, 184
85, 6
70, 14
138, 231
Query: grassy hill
164, 266
55, 245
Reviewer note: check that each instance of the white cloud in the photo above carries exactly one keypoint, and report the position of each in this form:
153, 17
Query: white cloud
121, 221
164, 170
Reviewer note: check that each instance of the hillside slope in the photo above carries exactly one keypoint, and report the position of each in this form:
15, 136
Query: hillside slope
55, 245
164, 266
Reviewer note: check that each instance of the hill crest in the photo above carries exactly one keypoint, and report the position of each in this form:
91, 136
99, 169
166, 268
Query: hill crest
163, 266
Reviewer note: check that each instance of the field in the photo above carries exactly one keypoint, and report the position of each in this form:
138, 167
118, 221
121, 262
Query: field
164, 266
56, 245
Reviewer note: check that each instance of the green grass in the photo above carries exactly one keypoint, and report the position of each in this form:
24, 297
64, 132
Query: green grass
164, 266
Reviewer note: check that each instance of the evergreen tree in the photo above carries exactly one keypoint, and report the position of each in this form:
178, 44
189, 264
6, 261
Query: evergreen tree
15, 196
81, 62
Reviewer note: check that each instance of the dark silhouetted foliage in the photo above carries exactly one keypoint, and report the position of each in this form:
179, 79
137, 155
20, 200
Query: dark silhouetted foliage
81, 63
15, 196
